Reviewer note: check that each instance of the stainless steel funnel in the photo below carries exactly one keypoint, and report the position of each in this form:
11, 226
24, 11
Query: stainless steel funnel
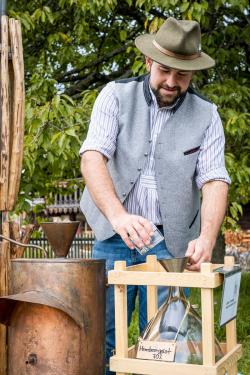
175, 264
60, 236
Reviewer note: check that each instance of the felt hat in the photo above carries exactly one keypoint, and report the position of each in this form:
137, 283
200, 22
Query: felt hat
177, 44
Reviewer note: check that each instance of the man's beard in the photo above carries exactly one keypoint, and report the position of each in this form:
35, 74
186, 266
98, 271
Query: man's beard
164, 100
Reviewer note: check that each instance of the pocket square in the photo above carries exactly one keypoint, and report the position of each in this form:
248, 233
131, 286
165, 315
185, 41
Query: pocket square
192, 150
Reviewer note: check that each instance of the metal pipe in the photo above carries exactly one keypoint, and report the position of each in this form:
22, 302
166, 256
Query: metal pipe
3, 8
24, 245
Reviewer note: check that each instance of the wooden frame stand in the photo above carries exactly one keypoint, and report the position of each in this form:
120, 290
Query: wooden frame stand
151, 274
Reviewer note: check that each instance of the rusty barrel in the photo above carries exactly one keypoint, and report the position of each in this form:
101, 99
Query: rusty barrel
56, 317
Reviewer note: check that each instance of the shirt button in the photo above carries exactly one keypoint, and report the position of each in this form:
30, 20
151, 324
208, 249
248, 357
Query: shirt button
146, 154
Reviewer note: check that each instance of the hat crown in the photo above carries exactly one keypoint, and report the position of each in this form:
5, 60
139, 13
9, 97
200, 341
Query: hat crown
179, 36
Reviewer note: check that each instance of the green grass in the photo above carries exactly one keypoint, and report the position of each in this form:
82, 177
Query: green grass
243, 321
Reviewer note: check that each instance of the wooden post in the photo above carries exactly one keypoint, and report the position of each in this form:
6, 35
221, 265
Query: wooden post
5, 125
152, 299
11, 146
4, 284
18, 112
207, 304
231, 333
3, 341
121, 317
4, 180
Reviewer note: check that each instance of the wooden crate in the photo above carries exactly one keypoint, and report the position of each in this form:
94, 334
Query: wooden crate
151, 274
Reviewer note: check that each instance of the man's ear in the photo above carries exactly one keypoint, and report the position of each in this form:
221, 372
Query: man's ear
148, 62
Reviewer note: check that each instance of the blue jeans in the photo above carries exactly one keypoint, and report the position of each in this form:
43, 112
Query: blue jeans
114, 249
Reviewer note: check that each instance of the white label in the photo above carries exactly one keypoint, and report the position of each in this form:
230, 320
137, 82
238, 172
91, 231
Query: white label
230, 297
156, 350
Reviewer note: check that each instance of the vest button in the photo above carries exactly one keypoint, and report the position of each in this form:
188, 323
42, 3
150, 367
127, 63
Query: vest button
131, 182
146, 154
124, 194
150, 141
139, 169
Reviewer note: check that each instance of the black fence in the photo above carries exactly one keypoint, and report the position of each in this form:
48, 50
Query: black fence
81, 247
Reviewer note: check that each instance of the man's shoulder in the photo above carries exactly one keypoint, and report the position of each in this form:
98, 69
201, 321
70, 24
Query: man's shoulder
198, 95
132, 79
130, 88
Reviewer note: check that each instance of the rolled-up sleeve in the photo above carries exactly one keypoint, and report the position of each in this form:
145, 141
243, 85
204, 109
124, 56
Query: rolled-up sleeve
103, 127
211, 160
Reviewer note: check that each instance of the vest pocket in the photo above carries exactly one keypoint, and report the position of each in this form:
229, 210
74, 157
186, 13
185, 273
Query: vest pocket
192, 222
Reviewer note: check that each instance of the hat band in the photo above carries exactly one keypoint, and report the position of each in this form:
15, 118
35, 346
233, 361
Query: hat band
176, 55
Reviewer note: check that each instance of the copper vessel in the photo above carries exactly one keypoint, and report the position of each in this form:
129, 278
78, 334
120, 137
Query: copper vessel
56, 317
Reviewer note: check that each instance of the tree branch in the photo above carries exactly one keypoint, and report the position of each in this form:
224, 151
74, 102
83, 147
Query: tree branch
62, 77
97, 80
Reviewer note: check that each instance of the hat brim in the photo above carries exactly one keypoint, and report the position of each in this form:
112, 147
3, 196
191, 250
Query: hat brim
145, 45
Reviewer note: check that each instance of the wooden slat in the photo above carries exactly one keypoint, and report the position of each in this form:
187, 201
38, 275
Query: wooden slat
5, 121
121, 317
18, 112
186, 279
148, 367
152, 298
228, 362
138, 366
139, 267
207, 303
231, 333
5, 258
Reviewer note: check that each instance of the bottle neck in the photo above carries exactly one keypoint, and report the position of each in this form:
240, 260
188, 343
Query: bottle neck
177, 291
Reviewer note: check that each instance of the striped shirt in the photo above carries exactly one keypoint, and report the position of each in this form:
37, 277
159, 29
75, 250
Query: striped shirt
143, 198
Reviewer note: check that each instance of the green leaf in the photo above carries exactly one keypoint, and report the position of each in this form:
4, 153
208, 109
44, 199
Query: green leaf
71, 132
123, 35
184, 7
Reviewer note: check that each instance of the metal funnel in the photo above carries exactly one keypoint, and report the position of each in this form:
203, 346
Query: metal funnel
175, 264
60, 236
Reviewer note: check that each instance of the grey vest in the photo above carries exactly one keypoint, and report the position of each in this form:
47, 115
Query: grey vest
175, 161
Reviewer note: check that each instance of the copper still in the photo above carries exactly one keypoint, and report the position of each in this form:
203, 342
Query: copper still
56, 317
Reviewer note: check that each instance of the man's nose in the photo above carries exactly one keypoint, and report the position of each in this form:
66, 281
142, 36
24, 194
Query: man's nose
171, 79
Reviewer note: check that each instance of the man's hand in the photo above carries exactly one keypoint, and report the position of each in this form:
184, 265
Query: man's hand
133, 227
199, 251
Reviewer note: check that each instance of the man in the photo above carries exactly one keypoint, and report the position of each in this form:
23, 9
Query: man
153, 144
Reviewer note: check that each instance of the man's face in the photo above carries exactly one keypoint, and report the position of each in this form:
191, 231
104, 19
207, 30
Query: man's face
166, 83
